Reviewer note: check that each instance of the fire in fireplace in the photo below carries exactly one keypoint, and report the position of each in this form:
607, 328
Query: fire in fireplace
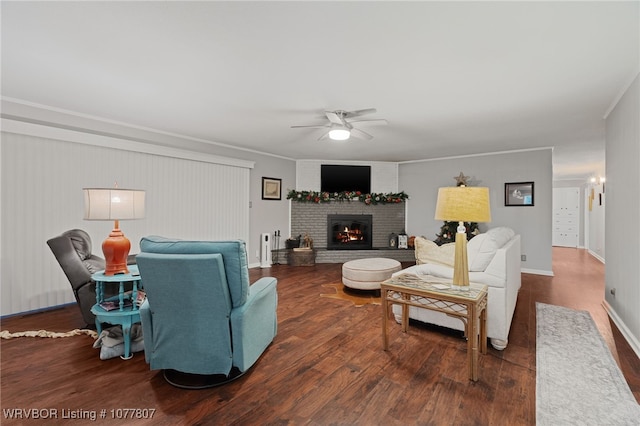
349, 232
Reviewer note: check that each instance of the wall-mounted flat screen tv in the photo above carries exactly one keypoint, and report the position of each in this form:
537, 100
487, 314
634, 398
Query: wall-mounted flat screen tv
338, 178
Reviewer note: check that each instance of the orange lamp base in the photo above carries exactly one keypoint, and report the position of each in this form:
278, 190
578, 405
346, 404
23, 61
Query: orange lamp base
116, 250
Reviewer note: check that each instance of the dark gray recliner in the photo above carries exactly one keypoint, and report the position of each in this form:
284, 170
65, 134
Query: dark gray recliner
72, 250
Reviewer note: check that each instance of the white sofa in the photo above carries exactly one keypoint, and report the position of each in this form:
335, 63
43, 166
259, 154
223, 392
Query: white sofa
494, 260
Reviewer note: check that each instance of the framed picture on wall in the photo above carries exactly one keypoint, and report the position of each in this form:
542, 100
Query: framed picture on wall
271, 188
518, 194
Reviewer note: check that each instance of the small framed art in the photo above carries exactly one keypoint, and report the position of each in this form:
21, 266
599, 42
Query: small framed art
271, 188
518, 194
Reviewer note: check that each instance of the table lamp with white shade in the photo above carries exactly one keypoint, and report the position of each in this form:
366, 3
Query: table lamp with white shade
462, 204
114, 204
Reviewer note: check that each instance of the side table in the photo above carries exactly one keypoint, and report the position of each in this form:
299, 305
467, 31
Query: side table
125, 314
436, 294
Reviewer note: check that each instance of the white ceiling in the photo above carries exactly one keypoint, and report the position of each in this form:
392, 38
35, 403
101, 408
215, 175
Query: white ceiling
451, 78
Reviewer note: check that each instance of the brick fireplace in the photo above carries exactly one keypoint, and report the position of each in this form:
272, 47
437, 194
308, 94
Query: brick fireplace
312, 219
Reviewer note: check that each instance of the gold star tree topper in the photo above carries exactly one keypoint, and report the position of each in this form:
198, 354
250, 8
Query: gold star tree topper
461, 179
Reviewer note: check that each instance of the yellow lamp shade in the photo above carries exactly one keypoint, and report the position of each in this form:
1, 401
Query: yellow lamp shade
463, 204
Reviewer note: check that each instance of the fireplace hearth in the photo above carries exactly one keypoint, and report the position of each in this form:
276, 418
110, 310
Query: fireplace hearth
349, 232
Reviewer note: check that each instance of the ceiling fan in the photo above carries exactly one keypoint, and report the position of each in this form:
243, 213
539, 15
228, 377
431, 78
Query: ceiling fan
340, 124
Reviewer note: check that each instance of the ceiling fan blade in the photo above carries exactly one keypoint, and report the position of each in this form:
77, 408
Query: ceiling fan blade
334, 117
337, 120
312, 126
324, 136
357, 133
372, 121
359, 112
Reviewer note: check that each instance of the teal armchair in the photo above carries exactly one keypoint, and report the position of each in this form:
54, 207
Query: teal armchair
203, 324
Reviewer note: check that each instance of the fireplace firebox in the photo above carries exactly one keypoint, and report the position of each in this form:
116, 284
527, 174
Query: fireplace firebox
349, 232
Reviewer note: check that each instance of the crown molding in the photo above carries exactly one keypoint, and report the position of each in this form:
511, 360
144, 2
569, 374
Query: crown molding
107, 121
82, 136
484, 154
620, 94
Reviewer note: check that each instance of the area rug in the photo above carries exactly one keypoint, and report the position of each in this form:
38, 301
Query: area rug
5, 334
357, 297
577, 380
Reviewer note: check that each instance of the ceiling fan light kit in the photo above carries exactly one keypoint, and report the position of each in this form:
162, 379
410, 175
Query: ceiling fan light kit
339, 134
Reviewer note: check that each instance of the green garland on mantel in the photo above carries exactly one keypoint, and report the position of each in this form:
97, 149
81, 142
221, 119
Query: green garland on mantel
325, 197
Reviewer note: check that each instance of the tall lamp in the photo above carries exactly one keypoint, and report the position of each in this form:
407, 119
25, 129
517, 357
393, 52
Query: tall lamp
114, 204
462, 204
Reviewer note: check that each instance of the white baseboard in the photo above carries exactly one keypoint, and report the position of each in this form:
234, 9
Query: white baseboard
537, 272
629, 337
596, 255
258, 265
526, 271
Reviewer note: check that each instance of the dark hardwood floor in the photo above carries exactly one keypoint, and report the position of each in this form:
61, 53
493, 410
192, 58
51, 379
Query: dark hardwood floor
326, 365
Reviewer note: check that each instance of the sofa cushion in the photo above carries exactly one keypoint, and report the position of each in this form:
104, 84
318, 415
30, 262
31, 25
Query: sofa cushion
482, 248
442, 271
429, 252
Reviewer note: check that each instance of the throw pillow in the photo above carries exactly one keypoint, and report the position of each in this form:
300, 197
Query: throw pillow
429, 252
482, 248
111, 341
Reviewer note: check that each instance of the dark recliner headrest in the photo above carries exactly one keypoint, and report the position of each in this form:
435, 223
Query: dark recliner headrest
81, 242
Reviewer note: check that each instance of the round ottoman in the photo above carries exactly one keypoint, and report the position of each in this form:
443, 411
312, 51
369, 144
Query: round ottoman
367, 274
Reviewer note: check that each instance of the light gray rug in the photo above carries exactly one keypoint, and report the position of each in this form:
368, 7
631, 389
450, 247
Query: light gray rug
577, 380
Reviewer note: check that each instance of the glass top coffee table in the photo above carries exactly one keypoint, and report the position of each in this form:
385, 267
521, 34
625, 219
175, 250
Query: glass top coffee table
436, 294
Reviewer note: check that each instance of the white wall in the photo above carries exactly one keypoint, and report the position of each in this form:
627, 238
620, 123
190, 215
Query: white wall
622, 233
421, 181
269, 216
43, 192
595, 218
263, 215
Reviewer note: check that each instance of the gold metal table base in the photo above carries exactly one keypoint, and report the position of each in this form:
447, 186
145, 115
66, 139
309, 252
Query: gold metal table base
435, 294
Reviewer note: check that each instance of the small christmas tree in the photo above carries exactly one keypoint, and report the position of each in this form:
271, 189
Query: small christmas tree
448, 232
